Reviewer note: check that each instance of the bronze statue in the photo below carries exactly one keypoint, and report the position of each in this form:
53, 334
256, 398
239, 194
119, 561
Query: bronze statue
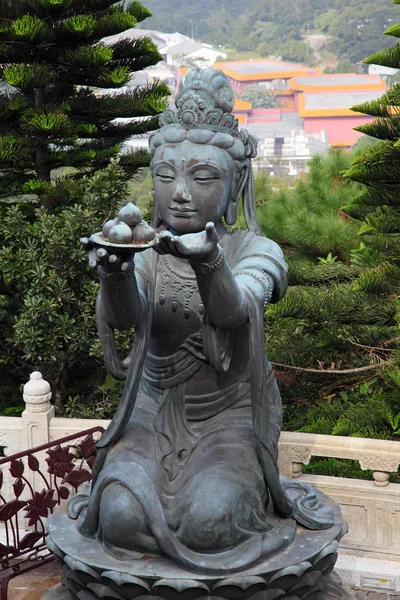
188, 467
186, 491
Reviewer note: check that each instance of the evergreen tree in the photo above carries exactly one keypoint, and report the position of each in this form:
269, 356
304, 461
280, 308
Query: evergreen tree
325, 337
377, 168
54, 114
51, 114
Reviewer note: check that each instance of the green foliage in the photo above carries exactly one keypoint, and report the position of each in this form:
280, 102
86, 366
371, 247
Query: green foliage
339, 312
336, 467
262, 27
372, 408
260, 97
52, 56
101, 403
310, 217
47, 290
372, 415
52, 121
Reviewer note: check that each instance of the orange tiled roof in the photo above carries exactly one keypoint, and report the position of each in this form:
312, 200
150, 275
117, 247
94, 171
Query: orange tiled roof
329, 103
263, 69
337, 83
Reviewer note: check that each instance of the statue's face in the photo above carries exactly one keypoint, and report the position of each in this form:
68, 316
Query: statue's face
192, 185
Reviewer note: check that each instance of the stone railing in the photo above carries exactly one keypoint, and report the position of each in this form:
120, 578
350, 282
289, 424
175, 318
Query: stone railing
371, 508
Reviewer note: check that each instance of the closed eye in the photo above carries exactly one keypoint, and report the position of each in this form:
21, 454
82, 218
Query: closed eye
205, 179
165, 177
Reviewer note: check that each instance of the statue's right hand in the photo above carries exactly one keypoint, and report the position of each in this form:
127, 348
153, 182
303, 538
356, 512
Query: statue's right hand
109, 262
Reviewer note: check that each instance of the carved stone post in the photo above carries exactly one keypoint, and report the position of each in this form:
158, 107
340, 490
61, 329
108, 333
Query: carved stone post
37, 415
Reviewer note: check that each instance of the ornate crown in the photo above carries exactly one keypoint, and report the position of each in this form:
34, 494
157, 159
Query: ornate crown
205, 99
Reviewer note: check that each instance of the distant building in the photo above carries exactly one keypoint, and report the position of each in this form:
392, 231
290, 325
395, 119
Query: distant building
194, 52
315, 104
382, 71
175, 48
270, 73
324, 102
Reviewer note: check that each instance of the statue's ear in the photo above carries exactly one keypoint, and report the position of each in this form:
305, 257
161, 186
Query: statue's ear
237, 191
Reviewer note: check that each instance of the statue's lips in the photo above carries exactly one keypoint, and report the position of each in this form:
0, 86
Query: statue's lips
183, 212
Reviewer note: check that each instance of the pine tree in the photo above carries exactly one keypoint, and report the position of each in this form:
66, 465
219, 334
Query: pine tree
53, 63
54, 114
327, 326
377, 169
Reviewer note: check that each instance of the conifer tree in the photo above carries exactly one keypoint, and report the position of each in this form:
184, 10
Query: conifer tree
327, 326
52, 61
58, 109
378, 207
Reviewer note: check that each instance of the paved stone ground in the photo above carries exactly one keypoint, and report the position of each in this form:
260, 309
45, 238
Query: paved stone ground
32, 585
363, 595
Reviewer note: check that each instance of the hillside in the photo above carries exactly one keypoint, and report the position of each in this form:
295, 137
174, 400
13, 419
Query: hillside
354, 29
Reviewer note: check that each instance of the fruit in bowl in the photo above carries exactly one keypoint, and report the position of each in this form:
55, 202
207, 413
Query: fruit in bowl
128, 227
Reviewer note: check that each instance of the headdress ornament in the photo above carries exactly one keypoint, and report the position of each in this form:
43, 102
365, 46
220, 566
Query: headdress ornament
204, 100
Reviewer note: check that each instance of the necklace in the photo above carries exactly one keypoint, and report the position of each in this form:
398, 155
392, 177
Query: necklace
180, 282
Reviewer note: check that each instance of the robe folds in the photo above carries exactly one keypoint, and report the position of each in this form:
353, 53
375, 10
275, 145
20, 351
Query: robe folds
188, 475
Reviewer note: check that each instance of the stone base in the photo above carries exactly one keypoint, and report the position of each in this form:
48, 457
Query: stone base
329, 588
302, 571
57, 592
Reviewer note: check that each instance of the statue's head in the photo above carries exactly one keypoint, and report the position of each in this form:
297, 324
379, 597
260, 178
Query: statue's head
201, 163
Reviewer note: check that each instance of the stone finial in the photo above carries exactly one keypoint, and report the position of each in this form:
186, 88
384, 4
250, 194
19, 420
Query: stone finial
37, 394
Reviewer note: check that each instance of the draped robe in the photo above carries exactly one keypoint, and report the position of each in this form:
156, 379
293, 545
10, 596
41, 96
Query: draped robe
190, 475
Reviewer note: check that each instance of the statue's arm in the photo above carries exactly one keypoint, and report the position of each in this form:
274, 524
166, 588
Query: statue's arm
222, 296
119, 297
224, 290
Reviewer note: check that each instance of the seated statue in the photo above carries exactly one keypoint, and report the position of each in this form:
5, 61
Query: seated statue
188, 467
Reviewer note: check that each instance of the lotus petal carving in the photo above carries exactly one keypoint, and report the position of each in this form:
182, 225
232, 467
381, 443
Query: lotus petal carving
306, 583
128, 586
83, 573
180, 589
325, 560
286, 578
53, 548
239, 588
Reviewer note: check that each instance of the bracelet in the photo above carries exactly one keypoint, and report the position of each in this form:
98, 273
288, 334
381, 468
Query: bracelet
266, 282
116, 278
201, 268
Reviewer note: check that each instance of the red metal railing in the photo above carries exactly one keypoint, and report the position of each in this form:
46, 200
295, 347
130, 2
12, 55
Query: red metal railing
24, 513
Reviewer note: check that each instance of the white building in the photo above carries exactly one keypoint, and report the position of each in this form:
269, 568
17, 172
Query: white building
176, 49
192, 52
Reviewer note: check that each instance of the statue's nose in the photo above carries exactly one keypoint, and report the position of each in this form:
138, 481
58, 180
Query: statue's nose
182, 193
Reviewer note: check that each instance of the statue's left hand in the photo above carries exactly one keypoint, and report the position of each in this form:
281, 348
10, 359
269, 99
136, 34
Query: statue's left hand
200, 246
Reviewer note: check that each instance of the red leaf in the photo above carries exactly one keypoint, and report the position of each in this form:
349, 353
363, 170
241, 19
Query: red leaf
18, 487
30, 539
90, 461
33, 463
17, 468
48, 498
88, 446
7, 511
77, 477
64, 492
5, 550
1, 478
